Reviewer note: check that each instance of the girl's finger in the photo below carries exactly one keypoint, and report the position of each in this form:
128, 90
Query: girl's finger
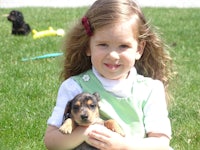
103, 132
98, 144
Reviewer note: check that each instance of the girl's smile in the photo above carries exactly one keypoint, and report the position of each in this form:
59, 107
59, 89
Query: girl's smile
112, 67
114, 49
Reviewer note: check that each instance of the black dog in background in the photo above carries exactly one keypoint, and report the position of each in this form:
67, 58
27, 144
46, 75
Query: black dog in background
19, 27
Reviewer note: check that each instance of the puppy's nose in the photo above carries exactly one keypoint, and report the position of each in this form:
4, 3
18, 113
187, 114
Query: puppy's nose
84, 117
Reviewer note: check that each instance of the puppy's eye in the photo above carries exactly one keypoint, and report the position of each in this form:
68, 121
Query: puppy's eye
92, 105
76, 107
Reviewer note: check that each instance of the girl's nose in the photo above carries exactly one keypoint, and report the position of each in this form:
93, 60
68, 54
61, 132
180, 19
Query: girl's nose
113, 55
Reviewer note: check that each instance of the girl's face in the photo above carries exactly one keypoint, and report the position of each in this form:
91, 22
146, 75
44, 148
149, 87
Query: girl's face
114, 49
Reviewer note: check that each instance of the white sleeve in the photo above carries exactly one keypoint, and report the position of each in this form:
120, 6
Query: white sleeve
67, 91
155, 111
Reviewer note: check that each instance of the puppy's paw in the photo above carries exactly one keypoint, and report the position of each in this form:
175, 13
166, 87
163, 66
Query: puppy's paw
114, 126
67, 127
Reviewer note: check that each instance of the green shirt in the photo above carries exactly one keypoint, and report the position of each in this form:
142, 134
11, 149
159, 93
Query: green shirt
128, 112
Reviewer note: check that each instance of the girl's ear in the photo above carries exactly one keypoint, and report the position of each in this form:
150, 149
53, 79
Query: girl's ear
140, 50
88, 53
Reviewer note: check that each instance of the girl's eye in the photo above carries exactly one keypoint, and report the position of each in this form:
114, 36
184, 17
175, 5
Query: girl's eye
103, 45
124, 46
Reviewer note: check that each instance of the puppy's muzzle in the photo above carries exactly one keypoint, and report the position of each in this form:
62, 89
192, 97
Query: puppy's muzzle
84, 117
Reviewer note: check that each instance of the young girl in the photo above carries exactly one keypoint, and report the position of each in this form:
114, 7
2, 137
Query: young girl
113, 51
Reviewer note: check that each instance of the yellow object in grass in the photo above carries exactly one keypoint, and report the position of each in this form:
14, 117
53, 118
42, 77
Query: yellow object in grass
49, 32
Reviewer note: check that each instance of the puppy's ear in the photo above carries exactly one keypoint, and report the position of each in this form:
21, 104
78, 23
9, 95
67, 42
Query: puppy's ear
68, 110
97, 96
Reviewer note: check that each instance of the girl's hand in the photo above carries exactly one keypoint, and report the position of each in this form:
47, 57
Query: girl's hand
104, 139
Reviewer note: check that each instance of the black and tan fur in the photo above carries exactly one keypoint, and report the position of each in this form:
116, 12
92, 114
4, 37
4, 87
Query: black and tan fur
19, 26
83, 110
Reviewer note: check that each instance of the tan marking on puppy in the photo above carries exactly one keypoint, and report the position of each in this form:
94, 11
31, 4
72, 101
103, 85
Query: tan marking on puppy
83, 110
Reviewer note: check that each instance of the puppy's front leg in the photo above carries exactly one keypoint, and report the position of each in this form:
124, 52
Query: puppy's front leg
114, 126
67, 126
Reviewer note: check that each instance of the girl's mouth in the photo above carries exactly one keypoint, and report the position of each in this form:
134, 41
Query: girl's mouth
112, 67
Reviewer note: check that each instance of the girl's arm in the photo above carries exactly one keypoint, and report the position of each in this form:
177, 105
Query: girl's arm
150, 143
154, 141
105, 139
55, 140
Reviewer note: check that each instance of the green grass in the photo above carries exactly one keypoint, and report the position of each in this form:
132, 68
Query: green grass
181, 26
28, 90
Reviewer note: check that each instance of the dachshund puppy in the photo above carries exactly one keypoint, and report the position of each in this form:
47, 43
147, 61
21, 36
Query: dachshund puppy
19, 27
83, 110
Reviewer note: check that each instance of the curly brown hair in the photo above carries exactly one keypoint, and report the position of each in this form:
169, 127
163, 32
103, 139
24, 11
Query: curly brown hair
155, 61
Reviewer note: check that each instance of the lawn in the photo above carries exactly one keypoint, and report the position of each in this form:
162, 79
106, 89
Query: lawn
28, 89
